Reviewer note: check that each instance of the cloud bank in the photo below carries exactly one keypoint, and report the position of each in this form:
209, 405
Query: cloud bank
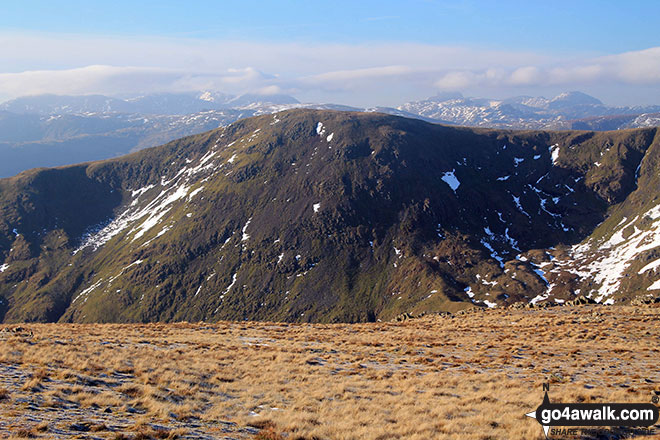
369, 74
630, 68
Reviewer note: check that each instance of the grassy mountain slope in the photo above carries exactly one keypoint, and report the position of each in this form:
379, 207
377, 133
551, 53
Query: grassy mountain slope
317, 216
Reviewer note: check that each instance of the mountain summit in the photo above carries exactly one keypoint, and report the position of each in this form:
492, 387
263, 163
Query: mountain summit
309, 215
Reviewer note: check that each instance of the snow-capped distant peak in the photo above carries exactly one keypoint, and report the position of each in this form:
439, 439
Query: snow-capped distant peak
207, 96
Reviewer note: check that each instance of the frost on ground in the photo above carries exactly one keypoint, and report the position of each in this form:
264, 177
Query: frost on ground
454, 377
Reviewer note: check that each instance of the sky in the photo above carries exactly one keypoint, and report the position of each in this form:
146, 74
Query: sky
363, 53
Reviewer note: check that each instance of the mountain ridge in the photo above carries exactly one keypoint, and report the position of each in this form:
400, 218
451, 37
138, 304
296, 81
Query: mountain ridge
566, 111
51, 130
310, 215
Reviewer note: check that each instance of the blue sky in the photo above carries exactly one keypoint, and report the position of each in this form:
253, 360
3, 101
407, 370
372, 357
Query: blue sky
309, 48
596, 26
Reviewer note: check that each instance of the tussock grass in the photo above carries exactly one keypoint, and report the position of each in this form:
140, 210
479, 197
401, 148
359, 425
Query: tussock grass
470, 377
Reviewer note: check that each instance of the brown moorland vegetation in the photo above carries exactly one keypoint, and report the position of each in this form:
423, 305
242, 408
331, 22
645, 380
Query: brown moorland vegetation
470, 376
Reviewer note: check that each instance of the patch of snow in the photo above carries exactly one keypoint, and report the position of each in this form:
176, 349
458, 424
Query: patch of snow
138, 192
554, 151
541, 178
621, 222
617, 237
450, 179
539, 298
207, 96
195, 192
232, 159
468, 291
653, 213
330, 136
154, 211
208, 156
490, 304
650, 266
493, 252
233, 281
245, 235
537, 157
165, 182
517, 161
4, 267
135, 263
541, 274
503, 178
516, 200
320, 130
512, 242
157, 211
654, 286
316, 207
88, 290
619, 253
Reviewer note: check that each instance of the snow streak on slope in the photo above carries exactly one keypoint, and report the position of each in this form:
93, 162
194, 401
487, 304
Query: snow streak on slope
141, 214
606, 263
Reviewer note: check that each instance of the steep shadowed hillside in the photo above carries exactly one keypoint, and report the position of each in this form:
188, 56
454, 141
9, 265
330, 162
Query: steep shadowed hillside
310, 215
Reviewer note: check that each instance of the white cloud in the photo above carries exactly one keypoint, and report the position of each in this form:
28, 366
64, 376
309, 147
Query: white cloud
126, 80
526, 75
640, 67
361, 74
626, 69
459, 80
366, 74
270, 90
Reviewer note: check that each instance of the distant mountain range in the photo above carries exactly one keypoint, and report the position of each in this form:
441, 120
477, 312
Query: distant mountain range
315, 215
153, 104
573, 110
50, 130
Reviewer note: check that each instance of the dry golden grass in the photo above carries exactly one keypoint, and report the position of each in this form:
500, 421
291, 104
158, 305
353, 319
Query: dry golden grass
465, 377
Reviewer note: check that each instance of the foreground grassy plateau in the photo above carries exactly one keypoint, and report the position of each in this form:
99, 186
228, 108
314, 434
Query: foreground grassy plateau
469, 376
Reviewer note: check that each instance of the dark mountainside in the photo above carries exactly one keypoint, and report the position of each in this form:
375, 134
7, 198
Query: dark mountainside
326, 216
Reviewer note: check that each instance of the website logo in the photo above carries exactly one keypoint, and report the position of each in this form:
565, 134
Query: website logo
593, 414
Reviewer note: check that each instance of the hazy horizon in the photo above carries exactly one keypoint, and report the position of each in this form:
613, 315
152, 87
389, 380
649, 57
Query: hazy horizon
366, 54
